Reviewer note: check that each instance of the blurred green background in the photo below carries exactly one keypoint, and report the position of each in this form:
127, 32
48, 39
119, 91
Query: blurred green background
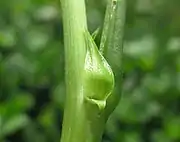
32, 86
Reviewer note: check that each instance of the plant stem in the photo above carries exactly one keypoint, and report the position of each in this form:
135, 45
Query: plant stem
74, 22
111, 46
84, 120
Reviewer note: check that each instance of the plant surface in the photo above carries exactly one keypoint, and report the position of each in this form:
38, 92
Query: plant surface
89, 78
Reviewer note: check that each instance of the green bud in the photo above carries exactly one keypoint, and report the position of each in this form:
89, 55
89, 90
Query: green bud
98, 76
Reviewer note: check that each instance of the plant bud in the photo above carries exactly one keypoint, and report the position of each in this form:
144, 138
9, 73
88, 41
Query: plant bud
98, 76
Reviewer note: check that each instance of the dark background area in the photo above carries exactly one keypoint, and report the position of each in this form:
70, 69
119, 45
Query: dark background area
32, 88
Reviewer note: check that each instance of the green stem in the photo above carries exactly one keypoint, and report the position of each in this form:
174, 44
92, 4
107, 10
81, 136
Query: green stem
111, 46
74, 22
86, 111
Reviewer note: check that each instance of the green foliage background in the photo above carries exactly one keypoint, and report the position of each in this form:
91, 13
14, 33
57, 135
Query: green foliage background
32, 86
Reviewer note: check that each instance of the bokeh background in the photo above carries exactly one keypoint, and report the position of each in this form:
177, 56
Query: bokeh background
32, 88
